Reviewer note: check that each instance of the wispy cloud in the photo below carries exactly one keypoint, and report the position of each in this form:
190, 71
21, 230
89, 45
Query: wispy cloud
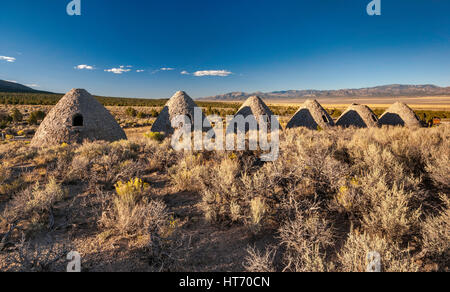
84, 67
184, 72
167, 69
221, 73
32, 85
29, 85
140, 71
8, 59
120, 70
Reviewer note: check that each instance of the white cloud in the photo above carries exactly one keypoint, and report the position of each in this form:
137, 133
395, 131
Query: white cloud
185, 72
84, 67
221, 73
32, 85
8, 59
167, 69
12, 81
119, 70
140, 71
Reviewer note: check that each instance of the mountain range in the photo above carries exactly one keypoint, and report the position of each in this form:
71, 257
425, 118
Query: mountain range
9, 86
392, 90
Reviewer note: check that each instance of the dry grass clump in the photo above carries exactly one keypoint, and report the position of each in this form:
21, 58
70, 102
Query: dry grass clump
438, 166
436, 234
186, 174
16, 152
49, 157
132, 214
34, 203
258, 210
160, 155
155, 136
353, 256
5, 173
10, 181
260, 262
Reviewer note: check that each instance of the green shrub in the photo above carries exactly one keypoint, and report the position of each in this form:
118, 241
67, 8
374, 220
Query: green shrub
16, 115
154, 113
5, 120
156, 136
141, 115
131, 112
35, 117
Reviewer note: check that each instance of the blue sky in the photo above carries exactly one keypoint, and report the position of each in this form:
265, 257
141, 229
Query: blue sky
224, 46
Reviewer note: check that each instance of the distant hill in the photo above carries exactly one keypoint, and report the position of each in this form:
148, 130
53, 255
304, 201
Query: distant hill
7, 86
379, 91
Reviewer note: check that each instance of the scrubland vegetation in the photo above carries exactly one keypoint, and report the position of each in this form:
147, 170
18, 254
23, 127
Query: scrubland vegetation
330, 199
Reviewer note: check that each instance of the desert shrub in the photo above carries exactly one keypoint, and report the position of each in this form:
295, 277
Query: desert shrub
373, 158
353, 256
42, 257
335, 113
131, 112
5, 173
92, 150
9, 183
40, 115
390, 214
133, 214
35, 117
258, 210
154, 136
310, 159
15, 153
306, 168
12, 187
260, 262
222, 199
141, 115
79, 168
125, 149
160, 156
438, 167
16, 115
131, 190
61, 167
5, 120
371, 179
50, 156
154, 113
391, 211
436, 234
34, 202
306, 239
186, 175
104, 163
